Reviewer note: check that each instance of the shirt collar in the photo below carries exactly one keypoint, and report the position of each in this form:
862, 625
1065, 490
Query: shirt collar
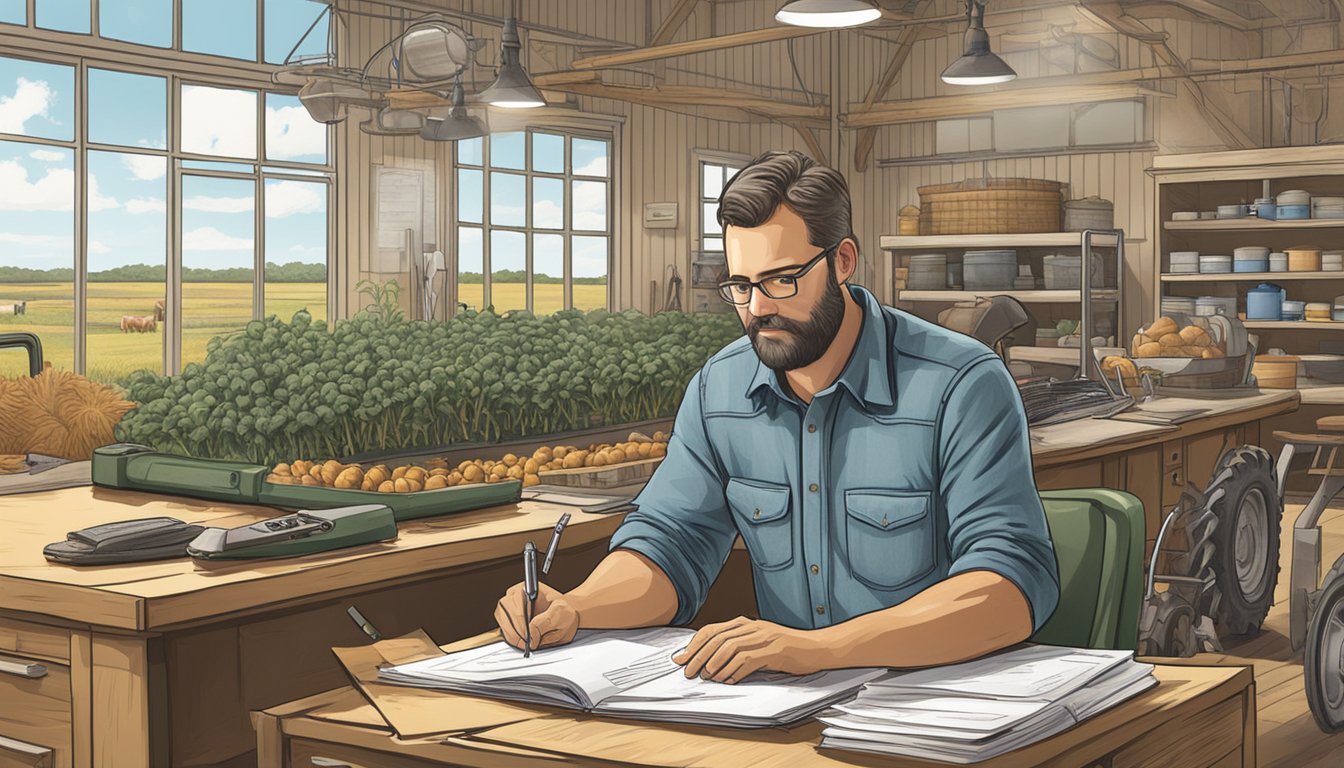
868, 374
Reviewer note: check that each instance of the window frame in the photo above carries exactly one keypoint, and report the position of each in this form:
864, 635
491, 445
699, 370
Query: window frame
700, 158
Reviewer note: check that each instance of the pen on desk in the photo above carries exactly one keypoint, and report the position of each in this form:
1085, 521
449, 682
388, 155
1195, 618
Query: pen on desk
529, 592
364, 623
555, 542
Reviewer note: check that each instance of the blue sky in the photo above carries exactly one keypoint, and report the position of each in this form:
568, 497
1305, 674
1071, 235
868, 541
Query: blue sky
127, 191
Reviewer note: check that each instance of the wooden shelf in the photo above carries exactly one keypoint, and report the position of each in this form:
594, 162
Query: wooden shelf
1322, 395
1274, 325
964, 242
1239, 225
1218, 277
1107, 295
1055, 355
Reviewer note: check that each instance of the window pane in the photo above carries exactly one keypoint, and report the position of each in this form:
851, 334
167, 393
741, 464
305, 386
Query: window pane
1112, 122
128, 257
217, 260
219, 121
37, 99
222, 29
590, 157
508, 199
590, 205
469, 151
508, 270
470, 268
548, 274
709, 218
37, 250
548, 203
469, 205
1031, 128
712, 244
126, 109
296, 248
711, 180
14, 12
548, 153
286, 22
589, 268
64, 15
291, 134
147, 22
507, 150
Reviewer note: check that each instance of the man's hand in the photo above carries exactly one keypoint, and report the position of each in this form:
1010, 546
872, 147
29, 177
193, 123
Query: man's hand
730, 651
554, 621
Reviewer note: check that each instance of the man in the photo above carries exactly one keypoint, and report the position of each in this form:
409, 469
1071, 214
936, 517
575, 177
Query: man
877, 466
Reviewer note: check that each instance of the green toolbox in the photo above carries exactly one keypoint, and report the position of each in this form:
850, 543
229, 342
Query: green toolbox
140, 468
302, 533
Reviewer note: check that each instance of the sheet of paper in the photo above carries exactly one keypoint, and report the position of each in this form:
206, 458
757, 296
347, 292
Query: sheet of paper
762, 695
1030, 672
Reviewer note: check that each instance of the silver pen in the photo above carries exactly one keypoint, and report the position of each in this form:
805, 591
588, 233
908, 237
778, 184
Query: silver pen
530, 592
555, 542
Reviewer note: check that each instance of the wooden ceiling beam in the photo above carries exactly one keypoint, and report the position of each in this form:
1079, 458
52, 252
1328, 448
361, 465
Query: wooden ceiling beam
1267, 63
673, 22
689, 47
863, 147
970, 104
700, 96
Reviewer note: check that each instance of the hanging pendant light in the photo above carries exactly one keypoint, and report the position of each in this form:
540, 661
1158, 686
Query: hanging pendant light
512, 88
458, 125
978, 65
828, 13
393, 122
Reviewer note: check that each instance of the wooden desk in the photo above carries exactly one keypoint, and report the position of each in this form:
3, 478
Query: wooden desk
1197, 717
159, 663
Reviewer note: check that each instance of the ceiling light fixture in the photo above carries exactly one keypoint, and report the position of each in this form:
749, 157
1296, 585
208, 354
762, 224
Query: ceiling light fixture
833, 14
512, 88
458, 125
978, 65
327, 101
393, 122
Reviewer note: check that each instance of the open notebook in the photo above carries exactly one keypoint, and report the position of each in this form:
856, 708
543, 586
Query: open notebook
630, 673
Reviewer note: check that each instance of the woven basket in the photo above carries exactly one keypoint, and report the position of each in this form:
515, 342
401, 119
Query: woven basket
907, 221
991, 207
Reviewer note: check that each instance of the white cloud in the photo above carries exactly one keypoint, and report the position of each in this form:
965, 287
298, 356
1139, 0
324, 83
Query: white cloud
211, 239
595, 167
590, 257
47, 155
289, 198
590, 205
97, 247
41, 241
307, 250
53, 192
291, 134
218, 204
145, 205
145, 167
96, 200
217, 121
30, 99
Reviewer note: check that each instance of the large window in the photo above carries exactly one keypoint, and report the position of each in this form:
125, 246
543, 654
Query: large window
533, 222
714, 174
89, 257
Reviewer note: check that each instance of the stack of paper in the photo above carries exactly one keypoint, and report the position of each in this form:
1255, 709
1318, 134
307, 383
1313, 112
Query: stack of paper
970, 712
629, 673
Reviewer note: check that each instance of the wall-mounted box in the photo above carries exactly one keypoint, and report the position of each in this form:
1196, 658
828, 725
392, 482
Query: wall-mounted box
660, 215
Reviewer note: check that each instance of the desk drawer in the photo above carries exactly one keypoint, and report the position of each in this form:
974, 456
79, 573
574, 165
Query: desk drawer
24, 638
36, 711
1202, 739
309, 753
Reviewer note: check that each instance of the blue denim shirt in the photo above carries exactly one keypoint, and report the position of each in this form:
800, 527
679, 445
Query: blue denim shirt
914, 465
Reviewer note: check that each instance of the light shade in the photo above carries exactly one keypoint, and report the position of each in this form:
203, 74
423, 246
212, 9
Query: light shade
393, 122
433, 51
828, 13
327, 101
978, 65
458, 125
512, 88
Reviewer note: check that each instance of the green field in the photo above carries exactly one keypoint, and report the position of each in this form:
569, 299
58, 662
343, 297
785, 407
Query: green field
208, 310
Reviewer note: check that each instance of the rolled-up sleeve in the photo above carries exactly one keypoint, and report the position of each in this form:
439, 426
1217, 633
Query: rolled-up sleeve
995, 518
682, 523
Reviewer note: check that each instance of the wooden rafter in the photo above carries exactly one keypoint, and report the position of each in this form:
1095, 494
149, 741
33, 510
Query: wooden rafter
970, 104
1221, 123
809, 135
863, 147
688, 47
1267, 63
1210, 11
673, 22
692, 96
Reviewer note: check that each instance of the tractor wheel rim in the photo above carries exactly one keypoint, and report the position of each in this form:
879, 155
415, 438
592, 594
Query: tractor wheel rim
1331, 673
1251, 541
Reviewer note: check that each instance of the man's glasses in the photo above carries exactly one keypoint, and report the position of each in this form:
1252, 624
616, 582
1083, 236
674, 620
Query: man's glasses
776, 287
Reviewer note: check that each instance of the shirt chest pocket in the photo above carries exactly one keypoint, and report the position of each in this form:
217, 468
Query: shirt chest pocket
889, 535
762, 514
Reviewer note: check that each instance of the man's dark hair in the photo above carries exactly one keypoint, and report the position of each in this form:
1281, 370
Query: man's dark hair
819, 195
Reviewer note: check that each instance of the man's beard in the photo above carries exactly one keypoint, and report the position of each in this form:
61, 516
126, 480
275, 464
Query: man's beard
803, 342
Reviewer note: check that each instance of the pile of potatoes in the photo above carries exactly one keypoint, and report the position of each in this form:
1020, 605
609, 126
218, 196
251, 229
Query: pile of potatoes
1165, 339
411, 478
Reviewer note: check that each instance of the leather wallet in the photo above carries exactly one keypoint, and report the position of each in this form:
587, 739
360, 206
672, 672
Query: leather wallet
128, 541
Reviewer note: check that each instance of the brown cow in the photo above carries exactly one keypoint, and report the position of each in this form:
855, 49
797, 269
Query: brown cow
138, 323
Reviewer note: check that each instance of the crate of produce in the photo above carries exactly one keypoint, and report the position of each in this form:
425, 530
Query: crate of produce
991, 207
607, 465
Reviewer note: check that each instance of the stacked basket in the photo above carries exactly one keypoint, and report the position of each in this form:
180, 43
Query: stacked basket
990, 207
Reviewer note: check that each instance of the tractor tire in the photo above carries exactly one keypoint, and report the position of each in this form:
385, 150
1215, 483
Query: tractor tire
1171, 630
1244, 496
1323, 660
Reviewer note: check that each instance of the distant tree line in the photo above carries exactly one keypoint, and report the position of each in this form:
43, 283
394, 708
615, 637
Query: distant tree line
519, 276
293, 272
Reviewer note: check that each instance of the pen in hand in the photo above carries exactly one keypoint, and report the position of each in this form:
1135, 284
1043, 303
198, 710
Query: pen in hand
530, 593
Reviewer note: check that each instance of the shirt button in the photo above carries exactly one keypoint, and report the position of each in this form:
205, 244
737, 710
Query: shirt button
816, 569
756, 515
811, 427
812, 487
821, 609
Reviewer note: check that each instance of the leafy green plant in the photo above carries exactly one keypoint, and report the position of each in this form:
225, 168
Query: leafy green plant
385, 298
280, 391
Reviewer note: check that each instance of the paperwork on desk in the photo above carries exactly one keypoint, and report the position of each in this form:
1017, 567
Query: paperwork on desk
970, 712
629, 673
